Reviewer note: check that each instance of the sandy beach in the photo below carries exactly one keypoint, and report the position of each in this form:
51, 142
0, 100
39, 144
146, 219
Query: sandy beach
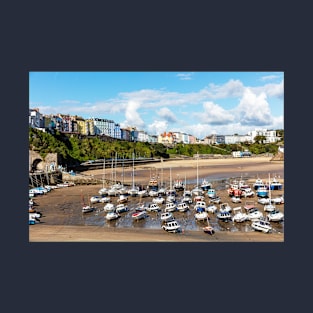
62, 223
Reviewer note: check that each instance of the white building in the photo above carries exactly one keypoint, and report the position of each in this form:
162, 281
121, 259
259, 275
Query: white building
270, 135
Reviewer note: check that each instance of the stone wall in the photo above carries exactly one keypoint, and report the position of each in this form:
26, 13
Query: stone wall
49, 163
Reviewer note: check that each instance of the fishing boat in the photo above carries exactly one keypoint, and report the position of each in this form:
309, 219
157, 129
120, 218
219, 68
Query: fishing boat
182, 207
239, 216
258, 183
201, 214
225, 207
167, 216
235, 199
252, 211
211, 208
224, 216
262, 191
170, 207
178, 185
205, 185
153, 207
187, 197
200, 204
262, 225
122, 199
275, 216
211, 192
171, 226
275, 184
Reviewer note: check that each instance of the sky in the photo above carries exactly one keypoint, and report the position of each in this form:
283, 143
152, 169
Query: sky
196, 103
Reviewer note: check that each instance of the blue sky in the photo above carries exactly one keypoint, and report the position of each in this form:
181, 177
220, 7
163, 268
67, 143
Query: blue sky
198, 103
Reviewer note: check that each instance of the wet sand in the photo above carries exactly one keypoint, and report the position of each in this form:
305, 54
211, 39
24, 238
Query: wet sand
60, 223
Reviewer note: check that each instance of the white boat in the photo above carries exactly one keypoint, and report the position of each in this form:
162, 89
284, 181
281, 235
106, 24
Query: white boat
247, 192
197, 191
87, 209
103, 191
121, 208
223, 215
109, 207
153, 207
235, 199
211, 208
170, 207
105, 199
95, 199
178, 185
113, 192
112, 216
200, 204
171, 226
122, 199
198, 198
138, 215
262, 191
264, 200
182, 207
216, 200
158, 200
153, 193
270, 206
262, 225
167, 216
239, 216
252, 211
133, 191
275, 216
201, 214
143, 193
278, 200
225, 207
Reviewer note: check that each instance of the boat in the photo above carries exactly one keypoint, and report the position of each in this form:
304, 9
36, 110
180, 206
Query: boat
138, 215
103, 191
167, 216
275, 184
171, 226
278, 200
122, 199
223, 215
208, 229
247, 192
121, 208
112, 216
170, 207
86, 208
95, 199
205, 185
225, 207
216, 200
198, 198
211, 208
239, 216
105, 199
201, 214
200, 204
182, 207
264, 200
211, 192
258, 183
262, 191
158, 200
143, 193
133, 192
171, 193
252, 211
235, 199
270, 206
178, 185
153, 193
197, 191
153, 207
109, 207
187, 196
275, 216
262, 225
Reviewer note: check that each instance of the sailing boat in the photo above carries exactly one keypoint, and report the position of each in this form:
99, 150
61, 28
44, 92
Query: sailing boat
86, 208
171, 193
133, 191
103, 191
162, 190
270, 206
197, 191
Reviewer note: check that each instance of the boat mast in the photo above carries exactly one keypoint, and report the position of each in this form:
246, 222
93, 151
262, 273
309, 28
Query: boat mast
197, 169
133, 171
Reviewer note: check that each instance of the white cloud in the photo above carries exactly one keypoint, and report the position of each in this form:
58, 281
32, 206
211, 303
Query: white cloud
167, 114
132, 116
70, 101
214, 114
157, 127
185, 76
269, 77
233, 88
254, 109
